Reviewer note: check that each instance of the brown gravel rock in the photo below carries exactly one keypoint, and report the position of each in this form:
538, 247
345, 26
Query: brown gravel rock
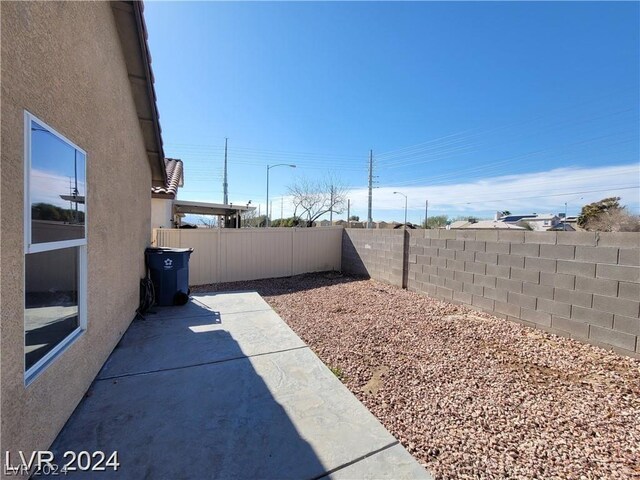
469, 395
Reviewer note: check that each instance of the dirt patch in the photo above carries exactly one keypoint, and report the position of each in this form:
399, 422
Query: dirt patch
469, 395
373, 386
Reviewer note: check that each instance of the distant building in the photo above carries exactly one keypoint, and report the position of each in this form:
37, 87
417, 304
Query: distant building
162, 197
483, 225
562, 227
537, 222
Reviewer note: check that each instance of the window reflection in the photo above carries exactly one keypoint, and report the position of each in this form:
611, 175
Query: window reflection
57, 188
51, 300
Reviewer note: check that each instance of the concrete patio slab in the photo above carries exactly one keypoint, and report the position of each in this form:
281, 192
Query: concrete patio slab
196, 340
206, 303
394, 462
185, 399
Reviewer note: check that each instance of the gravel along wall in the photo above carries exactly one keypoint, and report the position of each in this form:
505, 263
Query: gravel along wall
584, 285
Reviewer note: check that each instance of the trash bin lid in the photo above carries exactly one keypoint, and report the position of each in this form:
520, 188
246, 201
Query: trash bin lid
160, 250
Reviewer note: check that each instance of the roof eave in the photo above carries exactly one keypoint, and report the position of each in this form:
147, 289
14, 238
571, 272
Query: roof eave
129, 17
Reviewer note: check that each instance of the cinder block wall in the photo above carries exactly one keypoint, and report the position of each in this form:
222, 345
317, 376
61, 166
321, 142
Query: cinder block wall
376, 253
585, 285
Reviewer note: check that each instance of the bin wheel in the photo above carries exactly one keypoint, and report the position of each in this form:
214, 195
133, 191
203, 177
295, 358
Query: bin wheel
180, 298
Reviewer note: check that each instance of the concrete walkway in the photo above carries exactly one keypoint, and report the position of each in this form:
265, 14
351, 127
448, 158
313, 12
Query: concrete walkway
223, 388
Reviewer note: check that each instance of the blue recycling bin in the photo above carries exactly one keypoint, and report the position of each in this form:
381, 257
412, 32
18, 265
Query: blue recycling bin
169, 271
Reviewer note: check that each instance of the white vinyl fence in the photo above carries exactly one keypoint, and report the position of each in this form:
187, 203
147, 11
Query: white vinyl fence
229, 255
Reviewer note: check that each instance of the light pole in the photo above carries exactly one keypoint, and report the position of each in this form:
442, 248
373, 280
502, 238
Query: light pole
269, 167
405, 207
426, 214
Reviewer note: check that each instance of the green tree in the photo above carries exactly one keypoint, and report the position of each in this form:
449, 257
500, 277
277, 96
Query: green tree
354, 218
285, 222
465, 218
47, 211
436, 221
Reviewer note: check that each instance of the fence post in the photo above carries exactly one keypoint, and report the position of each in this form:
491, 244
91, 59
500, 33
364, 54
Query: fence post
405, 258
293, 249
219, 259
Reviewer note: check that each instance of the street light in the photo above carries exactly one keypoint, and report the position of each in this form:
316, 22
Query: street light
269, 167
405, 206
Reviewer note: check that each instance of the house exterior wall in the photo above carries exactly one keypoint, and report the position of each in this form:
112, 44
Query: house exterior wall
63, 62
161, 212
584, 285
539, 225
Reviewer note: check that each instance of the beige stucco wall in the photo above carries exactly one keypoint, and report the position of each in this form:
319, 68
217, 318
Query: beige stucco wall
63, 63
161, 212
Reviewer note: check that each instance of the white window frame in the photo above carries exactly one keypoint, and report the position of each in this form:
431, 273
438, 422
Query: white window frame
81, 244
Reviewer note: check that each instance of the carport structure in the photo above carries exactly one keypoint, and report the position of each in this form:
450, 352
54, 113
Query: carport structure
228, 215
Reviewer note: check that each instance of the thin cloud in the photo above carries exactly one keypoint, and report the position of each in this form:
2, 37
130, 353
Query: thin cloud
540, 191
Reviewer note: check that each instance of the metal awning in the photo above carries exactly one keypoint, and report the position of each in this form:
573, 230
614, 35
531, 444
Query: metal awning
73, 198
203, 208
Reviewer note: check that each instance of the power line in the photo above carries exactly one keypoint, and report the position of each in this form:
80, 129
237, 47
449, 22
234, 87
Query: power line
417, 157
481, 130
482, 167
544, 196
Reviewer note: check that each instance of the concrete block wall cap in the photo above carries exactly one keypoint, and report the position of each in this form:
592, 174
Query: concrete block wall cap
618, 239
577, 238
547, 238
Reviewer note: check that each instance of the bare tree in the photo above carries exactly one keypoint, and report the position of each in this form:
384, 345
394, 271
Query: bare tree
312, 199
209, 222
250, 218
615, 220
608, 215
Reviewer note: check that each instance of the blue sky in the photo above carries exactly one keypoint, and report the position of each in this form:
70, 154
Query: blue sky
473, 106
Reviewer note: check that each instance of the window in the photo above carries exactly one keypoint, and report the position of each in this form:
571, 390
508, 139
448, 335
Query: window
55, 244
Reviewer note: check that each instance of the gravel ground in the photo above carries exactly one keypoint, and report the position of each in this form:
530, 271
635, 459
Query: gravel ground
469, 395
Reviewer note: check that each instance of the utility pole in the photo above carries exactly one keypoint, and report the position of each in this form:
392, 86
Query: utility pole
70, 195
75, 188
426, 214
281, 210
225, 185
348, 212
369, 218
